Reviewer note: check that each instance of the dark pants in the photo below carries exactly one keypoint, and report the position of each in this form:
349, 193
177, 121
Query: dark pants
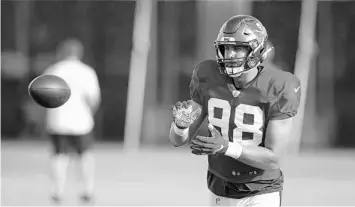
63, 144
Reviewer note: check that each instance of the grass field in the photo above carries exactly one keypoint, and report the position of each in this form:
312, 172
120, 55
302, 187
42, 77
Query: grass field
166, 176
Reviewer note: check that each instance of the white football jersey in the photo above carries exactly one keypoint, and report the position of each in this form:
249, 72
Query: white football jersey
75, 117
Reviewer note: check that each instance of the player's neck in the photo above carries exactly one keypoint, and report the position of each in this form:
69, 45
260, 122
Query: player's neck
243, 80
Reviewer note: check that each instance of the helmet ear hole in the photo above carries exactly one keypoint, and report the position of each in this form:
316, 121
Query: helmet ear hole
251, 62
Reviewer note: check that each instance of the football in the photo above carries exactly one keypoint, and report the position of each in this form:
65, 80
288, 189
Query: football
49, 91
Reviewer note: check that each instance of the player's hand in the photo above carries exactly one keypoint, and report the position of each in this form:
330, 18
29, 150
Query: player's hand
215, 144
185, 113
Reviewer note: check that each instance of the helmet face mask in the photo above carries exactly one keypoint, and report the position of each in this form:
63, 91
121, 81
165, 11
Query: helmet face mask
240, 45
234, 58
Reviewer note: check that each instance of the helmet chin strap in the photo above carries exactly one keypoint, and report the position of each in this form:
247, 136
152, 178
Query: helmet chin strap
233, 71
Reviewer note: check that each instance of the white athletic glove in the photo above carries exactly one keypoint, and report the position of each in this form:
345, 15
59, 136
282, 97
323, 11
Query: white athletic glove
185, 113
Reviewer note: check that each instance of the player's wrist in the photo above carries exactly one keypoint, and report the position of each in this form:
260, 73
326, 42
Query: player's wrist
234, 150
180, 131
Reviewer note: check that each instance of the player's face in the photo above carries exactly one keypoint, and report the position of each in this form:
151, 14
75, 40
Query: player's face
235, 57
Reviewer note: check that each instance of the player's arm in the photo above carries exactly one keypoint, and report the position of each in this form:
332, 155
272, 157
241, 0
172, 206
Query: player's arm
93, 91
179, 136
276, 140
266, 158
181, 132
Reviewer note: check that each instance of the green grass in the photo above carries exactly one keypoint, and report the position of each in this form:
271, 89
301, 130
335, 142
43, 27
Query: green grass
166, 176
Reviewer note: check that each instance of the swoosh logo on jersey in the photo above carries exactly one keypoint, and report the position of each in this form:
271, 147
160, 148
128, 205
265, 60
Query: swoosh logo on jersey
298, 88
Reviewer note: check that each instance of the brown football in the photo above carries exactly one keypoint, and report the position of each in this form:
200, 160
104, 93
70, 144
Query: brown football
49, 91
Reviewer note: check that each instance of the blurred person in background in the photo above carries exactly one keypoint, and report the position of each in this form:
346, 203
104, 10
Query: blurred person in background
70, 126
249, 108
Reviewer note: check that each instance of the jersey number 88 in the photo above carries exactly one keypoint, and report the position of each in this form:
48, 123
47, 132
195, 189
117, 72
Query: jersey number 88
247, 121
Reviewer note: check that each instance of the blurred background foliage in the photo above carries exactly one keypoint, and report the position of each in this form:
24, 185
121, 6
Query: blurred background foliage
180, 39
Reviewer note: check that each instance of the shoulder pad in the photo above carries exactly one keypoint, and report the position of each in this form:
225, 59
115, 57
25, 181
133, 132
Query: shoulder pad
286, 90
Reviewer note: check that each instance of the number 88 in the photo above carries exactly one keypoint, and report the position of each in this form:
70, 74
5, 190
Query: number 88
240, 112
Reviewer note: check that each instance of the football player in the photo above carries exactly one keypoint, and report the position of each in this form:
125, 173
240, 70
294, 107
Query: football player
70, 126
249, 109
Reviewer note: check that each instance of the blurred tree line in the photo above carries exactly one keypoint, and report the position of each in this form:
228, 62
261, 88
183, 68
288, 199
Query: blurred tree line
105, 27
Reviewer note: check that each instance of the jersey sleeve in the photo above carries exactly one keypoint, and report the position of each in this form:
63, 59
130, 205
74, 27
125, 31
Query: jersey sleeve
288, 100
195, 94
